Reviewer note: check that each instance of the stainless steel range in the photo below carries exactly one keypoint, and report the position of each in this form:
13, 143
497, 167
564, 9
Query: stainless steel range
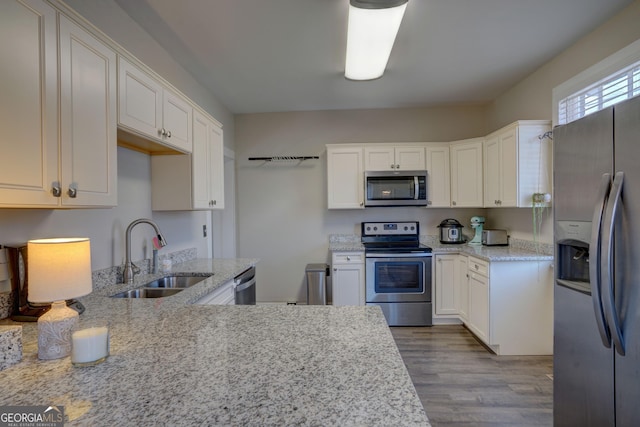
398, 272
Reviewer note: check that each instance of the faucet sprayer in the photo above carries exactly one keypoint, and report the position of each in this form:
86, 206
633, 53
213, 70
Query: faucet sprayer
128, 265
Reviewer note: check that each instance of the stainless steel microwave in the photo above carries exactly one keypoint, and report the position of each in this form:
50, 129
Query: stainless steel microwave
395, 188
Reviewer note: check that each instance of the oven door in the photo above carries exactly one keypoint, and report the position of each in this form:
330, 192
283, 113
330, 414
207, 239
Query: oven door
398, 277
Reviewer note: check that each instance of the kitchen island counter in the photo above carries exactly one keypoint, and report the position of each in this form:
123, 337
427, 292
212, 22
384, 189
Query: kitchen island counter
175, 363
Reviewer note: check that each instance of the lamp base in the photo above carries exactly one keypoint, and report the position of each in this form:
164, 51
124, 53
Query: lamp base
54, 331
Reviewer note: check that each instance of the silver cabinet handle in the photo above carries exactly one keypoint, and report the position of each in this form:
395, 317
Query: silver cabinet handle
348, 258
72, 192
453, 203
595, 257
214, 202
56, 190
393, 166
168, 134
162, 132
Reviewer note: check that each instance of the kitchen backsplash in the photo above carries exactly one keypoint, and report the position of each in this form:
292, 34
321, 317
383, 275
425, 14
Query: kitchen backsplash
111, 275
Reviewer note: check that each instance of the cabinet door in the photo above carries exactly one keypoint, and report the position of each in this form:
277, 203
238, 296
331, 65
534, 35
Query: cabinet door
177, 121
216, 167
509, 179
438, 182
139, 100
29, 101
200, 162
446, 289
345, 178
461, 277
87, 119
410, 158
347, 285
479, 305
379, 158
466, 174
492, 172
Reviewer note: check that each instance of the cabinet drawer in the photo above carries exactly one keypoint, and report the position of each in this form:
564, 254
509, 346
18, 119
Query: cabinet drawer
348, 257
478, 266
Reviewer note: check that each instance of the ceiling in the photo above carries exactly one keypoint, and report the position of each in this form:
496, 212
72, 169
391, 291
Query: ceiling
288, 55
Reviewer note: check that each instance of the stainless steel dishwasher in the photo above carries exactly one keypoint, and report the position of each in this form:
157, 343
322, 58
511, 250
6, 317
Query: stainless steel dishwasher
245, 287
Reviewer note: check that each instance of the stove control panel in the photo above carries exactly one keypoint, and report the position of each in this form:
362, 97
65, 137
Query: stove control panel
407, 228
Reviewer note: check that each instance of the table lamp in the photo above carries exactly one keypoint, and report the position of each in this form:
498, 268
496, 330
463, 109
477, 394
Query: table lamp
59, 269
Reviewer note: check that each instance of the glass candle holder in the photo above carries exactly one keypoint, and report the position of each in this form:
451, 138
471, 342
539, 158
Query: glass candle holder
90, 343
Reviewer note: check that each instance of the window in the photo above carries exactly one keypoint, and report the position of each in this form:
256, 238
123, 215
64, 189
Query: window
616, 88
612, 80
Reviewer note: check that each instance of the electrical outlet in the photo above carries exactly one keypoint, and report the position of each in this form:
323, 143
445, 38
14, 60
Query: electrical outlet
204, 230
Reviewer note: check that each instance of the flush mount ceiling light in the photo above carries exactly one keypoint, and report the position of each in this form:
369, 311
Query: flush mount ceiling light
373, 25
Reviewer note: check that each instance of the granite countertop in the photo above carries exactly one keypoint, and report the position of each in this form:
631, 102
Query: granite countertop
175, 363
521, 251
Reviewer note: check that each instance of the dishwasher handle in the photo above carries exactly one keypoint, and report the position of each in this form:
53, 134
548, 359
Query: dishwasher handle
245, 276
239, 287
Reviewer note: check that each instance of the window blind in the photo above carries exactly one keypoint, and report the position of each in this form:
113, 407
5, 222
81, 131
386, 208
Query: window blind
614, 88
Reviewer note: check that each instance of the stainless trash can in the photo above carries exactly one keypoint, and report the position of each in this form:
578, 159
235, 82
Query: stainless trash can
316, 275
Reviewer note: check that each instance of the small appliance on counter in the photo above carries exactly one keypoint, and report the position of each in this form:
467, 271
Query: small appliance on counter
477, 223
495, 238
23, 310
451, 231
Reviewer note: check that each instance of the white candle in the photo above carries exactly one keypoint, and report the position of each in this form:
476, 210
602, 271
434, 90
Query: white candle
89, 345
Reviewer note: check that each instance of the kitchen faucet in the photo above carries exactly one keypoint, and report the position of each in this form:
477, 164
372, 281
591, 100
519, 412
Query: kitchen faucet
128, 265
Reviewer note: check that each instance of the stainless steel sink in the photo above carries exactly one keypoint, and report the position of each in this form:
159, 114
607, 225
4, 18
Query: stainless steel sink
175, 282
147, 293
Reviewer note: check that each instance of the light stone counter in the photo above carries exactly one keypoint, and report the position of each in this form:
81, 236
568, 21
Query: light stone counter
518, 251
174, 363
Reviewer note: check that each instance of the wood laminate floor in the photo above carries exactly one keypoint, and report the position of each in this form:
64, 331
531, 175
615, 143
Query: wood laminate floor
460, 383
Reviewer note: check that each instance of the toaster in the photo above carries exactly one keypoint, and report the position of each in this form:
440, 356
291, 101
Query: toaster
495, 238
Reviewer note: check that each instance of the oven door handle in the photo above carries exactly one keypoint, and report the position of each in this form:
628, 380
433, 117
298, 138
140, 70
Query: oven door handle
399, 255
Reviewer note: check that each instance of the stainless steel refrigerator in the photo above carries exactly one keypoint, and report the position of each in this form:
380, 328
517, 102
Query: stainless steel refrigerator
597, 269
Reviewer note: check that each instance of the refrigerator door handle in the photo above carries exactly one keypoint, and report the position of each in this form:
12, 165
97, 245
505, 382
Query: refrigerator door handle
606, 267
595, 276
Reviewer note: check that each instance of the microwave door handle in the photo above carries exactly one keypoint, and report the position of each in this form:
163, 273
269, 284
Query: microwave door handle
416, 188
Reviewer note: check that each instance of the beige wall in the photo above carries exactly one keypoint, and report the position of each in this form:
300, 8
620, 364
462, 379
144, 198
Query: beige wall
532, 97
282, 208
282, 213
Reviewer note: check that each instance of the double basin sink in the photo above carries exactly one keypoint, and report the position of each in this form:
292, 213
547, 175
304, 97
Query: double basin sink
163, 287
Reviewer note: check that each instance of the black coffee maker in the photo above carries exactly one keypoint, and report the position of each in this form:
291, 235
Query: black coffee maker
23, 310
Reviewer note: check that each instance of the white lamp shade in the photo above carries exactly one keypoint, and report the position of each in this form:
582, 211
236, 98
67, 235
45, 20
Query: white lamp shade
59, 269
370, 37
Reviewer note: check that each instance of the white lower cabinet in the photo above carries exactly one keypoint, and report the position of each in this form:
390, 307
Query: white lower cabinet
224, 295
446, 290
461, 276
508, 305
347, 282
478, 320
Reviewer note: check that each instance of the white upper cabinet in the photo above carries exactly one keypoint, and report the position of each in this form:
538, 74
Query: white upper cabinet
191, 181
88, 124
151, 110
60, 151
438, 179
345, 177
517, 164
385, 157
466, 173
29, 101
